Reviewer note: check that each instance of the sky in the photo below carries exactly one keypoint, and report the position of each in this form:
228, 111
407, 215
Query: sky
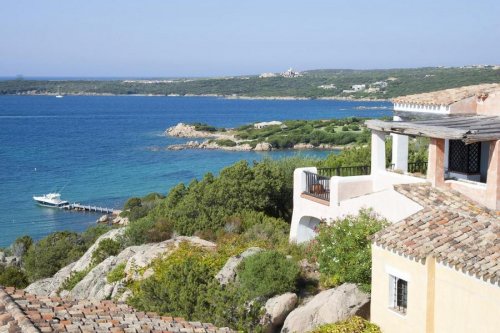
179, 38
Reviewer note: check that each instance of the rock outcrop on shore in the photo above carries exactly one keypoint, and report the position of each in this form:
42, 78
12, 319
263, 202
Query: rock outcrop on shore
182, 130
328, 306
94, 285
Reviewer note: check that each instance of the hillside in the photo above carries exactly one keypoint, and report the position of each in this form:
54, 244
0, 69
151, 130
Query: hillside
331, 83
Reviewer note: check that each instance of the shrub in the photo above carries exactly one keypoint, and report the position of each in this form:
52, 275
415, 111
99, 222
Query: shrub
225, 143
52, 253
132, 203
12, 276
107, 247
267, 274
21, 245
229, 306
343, 249
90, 235
352, 325
177, 282
345, 128
161, 230
117, 274
73, 279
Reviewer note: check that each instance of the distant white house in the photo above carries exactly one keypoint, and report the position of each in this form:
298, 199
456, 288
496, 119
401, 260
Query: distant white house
358, 87
266, 124
327, 86
267, 75
290, 73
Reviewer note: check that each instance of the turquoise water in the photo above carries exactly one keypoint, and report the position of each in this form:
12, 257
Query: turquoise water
103, 150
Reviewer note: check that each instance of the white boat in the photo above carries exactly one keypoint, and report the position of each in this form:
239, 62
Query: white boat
59, 93
51, 200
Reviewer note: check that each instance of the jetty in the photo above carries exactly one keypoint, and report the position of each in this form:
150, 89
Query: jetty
89, 208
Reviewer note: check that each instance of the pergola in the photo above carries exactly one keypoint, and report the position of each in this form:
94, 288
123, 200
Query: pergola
469, 129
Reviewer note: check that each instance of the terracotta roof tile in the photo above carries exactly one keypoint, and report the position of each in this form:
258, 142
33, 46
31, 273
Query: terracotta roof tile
22, 312
451, 228
448, 96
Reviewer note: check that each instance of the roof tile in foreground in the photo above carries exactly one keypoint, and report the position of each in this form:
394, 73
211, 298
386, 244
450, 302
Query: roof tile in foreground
22, 312
450, 228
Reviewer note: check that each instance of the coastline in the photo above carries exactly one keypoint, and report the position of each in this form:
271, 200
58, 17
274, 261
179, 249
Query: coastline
187, 131
229, 97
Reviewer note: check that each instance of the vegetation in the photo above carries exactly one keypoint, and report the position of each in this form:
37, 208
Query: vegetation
352, 325
107, 247
343, 249
50, 254
399, 82
116, 274
206, 206
267, 274
313, 132
74, 278
13, 276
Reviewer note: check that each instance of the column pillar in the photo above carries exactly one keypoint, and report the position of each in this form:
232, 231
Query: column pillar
378, 151
493, 177
399, 149
435, 166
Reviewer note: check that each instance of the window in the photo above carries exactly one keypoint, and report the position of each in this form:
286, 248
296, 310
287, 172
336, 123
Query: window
464, 158
399, 294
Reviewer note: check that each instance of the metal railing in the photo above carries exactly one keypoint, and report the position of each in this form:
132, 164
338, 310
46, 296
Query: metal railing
417, 167
345, 171
318, 186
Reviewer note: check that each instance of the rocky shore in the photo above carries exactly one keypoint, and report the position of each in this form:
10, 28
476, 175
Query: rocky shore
182, 130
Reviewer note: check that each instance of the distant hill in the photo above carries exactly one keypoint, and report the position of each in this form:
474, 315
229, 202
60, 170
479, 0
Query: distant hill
322, 83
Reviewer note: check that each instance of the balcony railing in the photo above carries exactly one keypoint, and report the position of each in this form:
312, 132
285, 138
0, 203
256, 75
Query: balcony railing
345, 171
317, 186
417, 167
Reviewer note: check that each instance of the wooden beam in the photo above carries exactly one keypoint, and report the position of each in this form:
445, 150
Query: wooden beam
407, 128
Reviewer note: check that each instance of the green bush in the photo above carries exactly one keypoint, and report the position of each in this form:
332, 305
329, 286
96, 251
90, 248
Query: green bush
73, 279
12, 276
267, 274
343, 249
229, 306
21, 245
225, 143
90, 235
177, 282
106, 248
352, 325
345, 128
116, 274
52, 253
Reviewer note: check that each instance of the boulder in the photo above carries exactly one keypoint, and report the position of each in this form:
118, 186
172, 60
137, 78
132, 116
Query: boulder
82, 263
228, 273
95, 285
103, 219
303, 146
120, 220
50, 286
263, 146
276, 310
143, 255
2, 257
328, 306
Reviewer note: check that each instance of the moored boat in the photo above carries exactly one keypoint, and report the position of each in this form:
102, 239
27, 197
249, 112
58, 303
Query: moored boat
50, 200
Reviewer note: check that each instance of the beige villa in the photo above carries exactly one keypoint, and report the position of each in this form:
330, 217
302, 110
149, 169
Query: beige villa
436, 268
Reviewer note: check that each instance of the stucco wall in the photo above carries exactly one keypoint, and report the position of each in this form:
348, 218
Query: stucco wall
490, 106
465, 106
384, 264
465, 304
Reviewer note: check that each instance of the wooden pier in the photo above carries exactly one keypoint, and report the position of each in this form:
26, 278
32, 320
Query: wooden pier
89, 208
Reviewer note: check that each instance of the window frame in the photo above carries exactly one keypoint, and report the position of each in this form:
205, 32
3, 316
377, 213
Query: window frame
398, 303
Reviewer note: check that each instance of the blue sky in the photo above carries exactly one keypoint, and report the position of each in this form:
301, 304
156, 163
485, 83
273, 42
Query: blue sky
230, 37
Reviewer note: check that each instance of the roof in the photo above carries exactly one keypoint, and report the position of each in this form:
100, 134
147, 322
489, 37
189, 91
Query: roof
22, 312
451, 228
448, 96
469, 129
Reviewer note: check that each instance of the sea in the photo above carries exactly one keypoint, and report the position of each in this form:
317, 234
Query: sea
102, 150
